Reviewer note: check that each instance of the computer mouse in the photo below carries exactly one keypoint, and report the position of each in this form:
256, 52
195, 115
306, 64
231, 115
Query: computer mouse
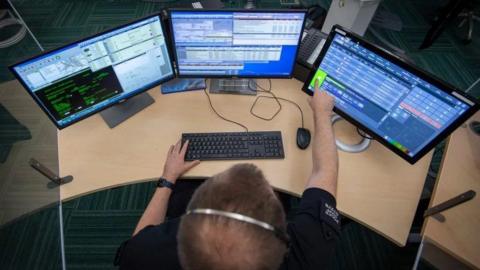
303, 138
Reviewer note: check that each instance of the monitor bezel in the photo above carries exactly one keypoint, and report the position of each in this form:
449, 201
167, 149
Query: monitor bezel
174, 50
126, 97
403, 63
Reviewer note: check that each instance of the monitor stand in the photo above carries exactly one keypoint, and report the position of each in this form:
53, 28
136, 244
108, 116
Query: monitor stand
233, 86
350, 148
115, 115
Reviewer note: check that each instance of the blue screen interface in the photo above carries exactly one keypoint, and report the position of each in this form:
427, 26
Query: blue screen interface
236, 43
398, 106
87, 76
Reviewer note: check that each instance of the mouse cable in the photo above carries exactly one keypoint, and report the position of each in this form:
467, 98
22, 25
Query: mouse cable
273, 96
219, 115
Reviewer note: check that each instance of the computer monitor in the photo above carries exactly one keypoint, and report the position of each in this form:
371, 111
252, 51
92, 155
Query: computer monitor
82, 78
236, 43
404, 108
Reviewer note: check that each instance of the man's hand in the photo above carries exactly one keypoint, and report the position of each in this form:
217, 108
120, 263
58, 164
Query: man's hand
322, 103
175, 164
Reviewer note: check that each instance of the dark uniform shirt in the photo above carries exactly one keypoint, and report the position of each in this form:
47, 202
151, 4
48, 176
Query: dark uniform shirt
313, 230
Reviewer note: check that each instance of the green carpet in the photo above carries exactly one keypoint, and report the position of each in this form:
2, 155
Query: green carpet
97, 223
32, 242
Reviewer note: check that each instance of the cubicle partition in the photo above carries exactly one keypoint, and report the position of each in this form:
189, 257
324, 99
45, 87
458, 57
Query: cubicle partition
30, 212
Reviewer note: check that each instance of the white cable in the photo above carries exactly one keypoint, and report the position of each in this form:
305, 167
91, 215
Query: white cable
62, 236
471, 86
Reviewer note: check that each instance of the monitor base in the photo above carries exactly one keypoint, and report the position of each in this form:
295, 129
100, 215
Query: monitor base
350, 148
233, 86
115, 115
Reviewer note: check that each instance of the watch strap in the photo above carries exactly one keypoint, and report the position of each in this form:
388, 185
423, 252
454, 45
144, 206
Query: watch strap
162, 182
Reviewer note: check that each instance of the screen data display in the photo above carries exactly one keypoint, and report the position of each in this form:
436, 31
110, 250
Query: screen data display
250, 44
403, 109
85, 77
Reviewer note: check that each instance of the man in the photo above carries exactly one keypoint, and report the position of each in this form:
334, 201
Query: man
235, 221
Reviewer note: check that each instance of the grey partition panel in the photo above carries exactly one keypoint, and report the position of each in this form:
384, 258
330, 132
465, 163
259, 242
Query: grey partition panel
30, 213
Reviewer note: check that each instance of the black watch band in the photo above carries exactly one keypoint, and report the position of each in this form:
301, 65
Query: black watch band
162, 182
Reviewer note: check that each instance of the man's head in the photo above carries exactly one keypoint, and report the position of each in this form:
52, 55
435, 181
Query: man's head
217, 242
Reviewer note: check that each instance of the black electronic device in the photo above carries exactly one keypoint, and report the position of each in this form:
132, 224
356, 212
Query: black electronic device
310, 47
234, 145
303, 138
406, 109
315, 17
114, 67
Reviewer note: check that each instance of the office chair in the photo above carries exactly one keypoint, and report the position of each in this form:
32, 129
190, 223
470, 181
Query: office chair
469, 16
451, 11
7, 19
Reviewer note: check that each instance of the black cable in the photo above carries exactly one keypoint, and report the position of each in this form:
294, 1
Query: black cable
363, 134
259, 97
280, 98
223, 118
269, 91
260, 89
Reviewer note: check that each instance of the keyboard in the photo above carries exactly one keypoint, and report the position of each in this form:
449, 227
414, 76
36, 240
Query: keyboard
234, 145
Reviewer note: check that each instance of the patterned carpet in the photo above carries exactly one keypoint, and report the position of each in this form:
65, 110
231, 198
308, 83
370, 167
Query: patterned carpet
94, 225
31, 243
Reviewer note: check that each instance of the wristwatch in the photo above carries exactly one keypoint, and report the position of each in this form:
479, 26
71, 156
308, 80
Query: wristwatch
162, 182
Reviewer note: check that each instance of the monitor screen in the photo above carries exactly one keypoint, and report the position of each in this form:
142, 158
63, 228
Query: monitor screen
404, 108
236, 43
82, 78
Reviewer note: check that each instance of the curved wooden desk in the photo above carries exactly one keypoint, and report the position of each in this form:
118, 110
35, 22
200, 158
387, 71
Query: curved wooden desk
460, 171
375, 187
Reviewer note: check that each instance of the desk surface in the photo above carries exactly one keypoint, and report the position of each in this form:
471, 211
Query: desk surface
376, 187
460, 171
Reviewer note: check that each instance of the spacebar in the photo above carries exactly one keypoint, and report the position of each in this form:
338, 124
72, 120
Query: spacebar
215, 156
227, 156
